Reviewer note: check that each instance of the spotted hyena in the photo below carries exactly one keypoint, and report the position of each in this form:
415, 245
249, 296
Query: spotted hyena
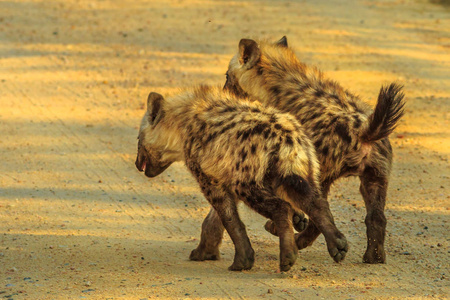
350, 138
238, 151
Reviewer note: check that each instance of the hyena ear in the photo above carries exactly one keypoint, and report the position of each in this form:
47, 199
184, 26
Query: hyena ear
282, 42
249, 53
155, 107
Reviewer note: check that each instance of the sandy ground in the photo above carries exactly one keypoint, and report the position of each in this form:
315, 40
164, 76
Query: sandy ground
77, 220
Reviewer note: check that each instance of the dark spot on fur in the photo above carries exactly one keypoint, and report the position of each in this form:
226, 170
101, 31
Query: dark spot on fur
315, 115
218, 124
202, 127
342, 130
317, 144
266, 133
210, 137
304, 87
273, 135
275, 91
259, 128
277, 148
253, 149
304, 119
228, 109
337, 99
228, 127
289, 140
238, 164
277, 126
333, 120
255, 110
246, 134
325, 151
357, 122
243, 155
319, 93
273, 119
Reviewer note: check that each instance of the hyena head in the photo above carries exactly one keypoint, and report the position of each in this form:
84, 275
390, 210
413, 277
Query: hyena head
244, 74
154, 154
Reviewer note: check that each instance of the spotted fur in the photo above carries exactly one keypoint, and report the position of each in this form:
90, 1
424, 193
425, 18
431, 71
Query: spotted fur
350, 138
238, 151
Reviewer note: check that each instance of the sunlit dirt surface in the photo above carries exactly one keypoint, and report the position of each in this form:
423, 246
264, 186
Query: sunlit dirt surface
77, 220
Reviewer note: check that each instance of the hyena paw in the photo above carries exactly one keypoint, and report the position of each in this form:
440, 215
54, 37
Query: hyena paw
287, 261
376, 256
338, 249
201, 255
243, 262
270, 227
300, 221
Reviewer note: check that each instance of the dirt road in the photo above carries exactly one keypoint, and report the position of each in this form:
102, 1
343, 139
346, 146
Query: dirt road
77, 220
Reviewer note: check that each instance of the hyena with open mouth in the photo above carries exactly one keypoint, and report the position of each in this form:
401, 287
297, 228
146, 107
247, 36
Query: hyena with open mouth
238, 151
350, 138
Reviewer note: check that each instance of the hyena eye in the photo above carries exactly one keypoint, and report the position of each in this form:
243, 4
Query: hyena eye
226, 76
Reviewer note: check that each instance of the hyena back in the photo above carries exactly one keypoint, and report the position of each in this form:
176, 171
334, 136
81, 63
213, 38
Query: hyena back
238, 151
350, 138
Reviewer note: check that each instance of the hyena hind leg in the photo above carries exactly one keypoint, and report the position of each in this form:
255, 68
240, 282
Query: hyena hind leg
374, 189
225, 207
318, 209
280, 213
210, 239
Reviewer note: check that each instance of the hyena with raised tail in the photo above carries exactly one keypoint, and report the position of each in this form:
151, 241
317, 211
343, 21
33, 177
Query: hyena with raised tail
350, 138
238, 150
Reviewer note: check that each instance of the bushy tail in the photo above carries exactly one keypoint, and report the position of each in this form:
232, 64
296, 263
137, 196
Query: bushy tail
389, 109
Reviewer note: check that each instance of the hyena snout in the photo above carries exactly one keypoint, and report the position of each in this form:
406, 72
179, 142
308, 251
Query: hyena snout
231, 86
150, 166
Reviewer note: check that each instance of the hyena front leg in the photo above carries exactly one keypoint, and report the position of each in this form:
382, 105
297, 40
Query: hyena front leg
317, 208
244, 256
307, 237
225, 207
210, 239
373, 189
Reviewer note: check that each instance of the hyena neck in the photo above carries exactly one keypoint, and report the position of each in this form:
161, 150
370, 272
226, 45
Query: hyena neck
177, 114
